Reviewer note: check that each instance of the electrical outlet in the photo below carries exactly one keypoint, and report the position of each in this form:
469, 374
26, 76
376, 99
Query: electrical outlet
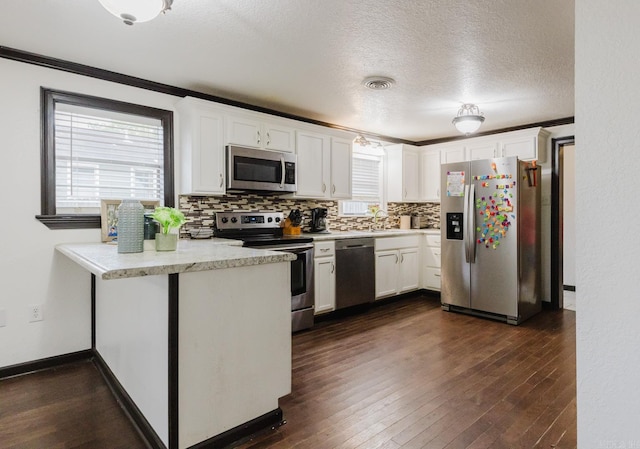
3, 317
35, 313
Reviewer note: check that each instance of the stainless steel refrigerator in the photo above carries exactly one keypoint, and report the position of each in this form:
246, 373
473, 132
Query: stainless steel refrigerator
490, 222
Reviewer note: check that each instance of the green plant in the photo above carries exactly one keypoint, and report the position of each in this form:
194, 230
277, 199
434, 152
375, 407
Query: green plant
169, 218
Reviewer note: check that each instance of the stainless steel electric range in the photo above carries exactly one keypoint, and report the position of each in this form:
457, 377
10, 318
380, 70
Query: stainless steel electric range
262, 230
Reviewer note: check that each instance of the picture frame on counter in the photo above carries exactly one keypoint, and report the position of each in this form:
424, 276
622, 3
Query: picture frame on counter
109, 216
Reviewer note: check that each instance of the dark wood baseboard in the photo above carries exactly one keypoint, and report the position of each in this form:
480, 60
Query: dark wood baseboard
130, 408
243, 432
46, 363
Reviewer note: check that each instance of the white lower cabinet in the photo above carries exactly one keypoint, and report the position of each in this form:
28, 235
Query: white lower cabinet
397, 265
324, 270
431, 261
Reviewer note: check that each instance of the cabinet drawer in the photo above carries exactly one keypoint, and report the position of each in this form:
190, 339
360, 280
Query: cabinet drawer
431, 278
433, 240
432, 257
387, 243
322, 249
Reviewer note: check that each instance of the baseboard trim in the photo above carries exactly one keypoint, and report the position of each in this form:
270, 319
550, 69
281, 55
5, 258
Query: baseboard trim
46, 363
243, 432
128, 406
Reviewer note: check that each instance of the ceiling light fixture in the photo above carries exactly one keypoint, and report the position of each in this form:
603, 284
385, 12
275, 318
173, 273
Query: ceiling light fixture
361, 140
469, 119
135, 11
378, 82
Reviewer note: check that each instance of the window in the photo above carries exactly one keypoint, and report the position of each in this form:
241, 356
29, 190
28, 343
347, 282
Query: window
94, 149
366, 183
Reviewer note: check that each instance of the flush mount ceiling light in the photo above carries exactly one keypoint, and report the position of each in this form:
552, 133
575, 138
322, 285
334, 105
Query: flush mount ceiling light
135, 11
469, 119
361, 140
378, 82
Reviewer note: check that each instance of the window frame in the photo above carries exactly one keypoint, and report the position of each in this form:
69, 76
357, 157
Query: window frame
48, 100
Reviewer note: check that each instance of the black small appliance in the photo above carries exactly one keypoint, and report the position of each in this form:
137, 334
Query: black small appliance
319, 219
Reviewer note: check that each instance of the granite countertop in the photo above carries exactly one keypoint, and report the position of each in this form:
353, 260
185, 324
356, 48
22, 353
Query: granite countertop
337, 235
104, 261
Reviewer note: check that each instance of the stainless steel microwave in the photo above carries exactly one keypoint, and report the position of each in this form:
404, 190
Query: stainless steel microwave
262, 170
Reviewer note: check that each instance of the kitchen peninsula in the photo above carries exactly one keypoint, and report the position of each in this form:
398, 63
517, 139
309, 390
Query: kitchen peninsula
195, 342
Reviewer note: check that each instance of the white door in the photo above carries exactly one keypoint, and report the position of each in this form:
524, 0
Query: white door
409, 276
324, 284
207, 164
313, 165
243, 131
386, 273
430, 180
340, 168
482, 151
280, 138
411, 175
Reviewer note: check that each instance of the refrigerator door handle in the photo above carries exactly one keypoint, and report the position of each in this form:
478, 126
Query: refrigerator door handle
472, 224
465, 224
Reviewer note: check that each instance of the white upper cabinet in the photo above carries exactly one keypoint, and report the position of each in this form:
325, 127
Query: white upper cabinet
430, 171
250, 132
403, 173
314, 164
201, 148
341, 158
454, 153
324, 166
482, 150
525, 147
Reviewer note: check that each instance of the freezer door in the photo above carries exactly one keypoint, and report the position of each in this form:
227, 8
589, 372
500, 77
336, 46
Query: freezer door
455, 268
494, 263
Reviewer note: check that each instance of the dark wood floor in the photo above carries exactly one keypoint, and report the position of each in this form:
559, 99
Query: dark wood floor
402, 375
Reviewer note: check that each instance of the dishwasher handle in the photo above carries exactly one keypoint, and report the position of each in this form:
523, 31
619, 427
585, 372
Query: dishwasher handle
347, 244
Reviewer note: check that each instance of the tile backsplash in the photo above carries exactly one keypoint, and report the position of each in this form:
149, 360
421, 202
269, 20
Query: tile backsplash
200, 210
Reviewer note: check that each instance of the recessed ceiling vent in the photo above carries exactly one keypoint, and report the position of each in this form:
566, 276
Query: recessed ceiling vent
378, 82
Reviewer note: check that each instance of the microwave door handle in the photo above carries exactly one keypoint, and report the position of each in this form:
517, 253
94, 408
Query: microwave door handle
282, 168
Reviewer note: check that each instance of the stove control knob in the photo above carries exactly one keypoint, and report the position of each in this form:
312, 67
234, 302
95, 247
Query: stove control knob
224, 219
234, 219
269, 220
277, 219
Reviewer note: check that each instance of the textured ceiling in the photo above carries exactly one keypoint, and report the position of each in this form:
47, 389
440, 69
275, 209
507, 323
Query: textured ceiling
513, 58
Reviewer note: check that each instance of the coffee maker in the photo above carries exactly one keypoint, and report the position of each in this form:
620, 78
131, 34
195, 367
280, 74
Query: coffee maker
319, 219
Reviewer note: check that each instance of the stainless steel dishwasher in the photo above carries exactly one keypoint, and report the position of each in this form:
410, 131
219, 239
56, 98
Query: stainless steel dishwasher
355, 272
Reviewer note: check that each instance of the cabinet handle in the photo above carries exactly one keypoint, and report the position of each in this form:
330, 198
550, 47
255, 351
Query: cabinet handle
324, 187
396, 258
405, 193
333, 267
258, 137
436, 275
438, 194
221, 180
268, 139
401, 258
333, 189
324, 250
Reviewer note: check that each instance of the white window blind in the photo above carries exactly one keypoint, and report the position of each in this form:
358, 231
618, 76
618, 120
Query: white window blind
366, 185
103, 154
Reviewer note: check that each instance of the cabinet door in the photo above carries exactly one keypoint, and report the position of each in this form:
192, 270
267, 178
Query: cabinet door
430, 180
280, 138
411, 175
340, 168
483, 151
452, 154
431, 278
324, 284
409, 275
432, 256
524, 147
244, 131
313, 165
202, 151
386, 273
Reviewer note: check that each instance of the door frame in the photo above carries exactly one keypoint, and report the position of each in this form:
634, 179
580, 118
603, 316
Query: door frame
557, 165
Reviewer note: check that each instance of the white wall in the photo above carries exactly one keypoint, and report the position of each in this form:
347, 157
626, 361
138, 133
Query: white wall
31, 272
607, 216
